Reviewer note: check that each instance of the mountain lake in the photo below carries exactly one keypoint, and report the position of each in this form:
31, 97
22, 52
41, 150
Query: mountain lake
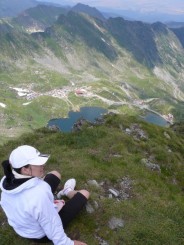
88, 113
92, 113
155, 119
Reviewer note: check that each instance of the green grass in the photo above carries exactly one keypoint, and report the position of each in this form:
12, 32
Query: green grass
154, 213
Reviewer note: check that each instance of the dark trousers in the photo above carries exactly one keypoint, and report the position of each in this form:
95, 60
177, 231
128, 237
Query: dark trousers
71, 208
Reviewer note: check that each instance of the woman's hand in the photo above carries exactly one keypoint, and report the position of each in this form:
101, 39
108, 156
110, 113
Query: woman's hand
79, 243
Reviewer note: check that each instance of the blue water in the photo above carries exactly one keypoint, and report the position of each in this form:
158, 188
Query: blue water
155, 119
88, 113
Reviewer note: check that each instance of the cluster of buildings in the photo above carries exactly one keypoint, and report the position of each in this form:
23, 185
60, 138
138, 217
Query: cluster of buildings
169, 117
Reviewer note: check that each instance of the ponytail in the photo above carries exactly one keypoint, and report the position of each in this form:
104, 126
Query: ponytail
7, 170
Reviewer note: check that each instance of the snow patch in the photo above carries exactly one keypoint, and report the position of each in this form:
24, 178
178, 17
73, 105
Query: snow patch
2, 105
21, 90
27, 103
21, 94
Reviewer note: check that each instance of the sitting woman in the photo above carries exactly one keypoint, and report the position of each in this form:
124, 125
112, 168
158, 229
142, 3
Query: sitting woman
28, 201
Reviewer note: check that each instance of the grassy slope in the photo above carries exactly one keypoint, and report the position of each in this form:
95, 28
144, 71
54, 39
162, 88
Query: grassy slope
154, 213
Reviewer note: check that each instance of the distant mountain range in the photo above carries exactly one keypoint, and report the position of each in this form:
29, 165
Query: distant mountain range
136, 37
12, 8
48, 53
149, 17
9, 8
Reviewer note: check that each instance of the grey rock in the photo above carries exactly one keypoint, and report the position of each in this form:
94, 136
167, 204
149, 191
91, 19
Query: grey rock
115, 223
121, 127
110, 196
144, 161
128, 131
93, 183
167, 135
124, 195
96, 205
117, 155
126, 183
53, 128
150, 165
92, 206
114, 192
89, 208
101, 241
174, 181
153, 166
102, 183
137, 132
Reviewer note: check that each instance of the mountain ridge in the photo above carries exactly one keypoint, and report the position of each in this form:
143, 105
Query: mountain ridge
91, 11
38, 18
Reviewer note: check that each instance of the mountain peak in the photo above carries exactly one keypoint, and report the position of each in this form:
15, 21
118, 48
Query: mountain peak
160, 27
91, 11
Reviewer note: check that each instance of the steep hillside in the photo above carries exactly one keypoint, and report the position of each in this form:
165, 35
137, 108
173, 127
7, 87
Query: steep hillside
38, 18
81, 27
136, 180
179, 33
14, 43
138, 38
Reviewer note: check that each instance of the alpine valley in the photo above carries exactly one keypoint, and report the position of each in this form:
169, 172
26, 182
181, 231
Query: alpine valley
55, 59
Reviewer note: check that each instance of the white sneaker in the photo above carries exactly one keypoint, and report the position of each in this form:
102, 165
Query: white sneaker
69, 186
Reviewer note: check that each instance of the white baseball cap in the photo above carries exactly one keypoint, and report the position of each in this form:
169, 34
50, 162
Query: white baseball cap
25, 154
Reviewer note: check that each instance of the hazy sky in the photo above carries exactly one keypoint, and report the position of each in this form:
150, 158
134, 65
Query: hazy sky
166, 6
